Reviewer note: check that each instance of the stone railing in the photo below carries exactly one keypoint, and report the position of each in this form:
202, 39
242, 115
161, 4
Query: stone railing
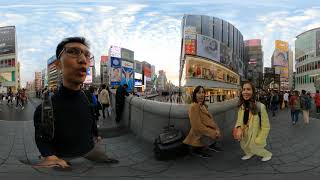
147, 118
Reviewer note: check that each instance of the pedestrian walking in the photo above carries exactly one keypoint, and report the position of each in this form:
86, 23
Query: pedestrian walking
274, 102
104, 99
286, 99
295, 107
317, 101
204, 130
120, 100
305, 106
252, 126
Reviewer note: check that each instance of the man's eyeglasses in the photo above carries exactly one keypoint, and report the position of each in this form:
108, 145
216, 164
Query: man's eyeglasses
76, 52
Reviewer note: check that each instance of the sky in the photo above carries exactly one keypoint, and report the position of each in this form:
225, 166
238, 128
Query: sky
152, 29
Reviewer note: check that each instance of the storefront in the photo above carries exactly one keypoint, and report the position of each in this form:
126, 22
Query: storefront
220, 82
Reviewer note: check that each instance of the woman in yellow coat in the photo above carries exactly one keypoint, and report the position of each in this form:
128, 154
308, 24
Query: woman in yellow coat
251, 132
204, 130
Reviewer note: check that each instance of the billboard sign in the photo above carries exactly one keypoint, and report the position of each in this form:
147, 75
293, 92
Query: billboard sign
88, 79
115, 76
137, 83
115, 62
190, 36
115, 51
127, 75
282, 45
208, 47
253, 42
147, 70
280, 58
104, 60
137, 76
6, 77
138, 67
7, 40
127, 54
318, 43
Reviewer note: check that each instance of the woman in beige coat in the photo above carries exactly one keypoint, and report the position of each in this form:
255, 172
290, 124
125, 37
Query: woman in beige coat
204, 130
252, 130
104, 100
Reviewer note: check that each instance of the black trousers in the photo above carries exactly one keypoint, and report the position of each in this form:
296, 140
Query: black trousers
119, 109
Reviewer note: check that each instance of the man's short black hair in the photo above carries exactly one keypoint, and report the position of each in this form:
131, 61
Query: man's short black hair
125, 85
65, 41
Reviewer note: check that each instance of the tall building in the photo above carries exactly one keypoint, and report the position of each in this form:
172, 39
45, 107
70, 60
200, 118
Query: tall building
138, 79
280, 63
104, 75
291, 75
254, 62
9, 67
162, 81
212, 55
307, 59
54, 75
37, 81
44, 78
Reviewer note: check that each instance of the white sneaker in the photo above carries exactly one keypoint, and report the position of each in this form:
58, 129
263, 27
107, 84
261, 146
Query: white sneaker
246, 157
266, 159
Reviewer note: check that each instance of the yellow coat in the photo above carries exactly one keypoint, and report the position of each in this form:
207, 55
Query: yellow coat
254, 136
202, 124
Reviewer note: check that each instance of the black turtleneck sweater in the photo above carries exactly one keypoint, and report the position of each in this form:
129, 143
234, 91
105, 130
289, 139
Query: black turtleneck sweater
75, 126
246, 105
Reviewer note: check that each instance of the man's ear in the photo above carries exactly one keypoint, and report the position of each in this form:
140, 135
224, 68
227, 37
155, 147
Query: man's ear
58, 64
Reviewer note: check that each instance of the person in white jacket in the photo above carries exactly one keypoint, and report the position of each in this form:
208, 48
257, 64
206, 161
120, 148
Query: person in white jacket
104, 100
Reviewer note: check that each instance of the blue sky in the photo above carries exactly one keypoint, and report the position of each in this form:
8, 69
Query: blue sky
150, 28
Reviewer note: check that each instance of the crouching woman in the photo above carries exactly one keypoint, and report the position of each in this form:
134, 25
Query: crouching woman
252, 126
204, 130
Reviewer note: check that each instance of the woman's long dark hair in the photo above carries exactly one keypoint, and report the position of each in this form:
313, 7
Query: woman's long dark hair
252, 100
194, 94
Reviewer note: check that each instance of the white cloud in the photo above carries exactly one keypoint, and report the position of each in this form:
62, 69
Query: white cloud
106, 9
72, 16
132, 9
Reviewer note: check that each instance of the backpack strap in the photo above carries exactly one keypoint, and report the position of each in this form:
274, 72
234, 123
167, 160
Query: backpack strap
259, 112
47, 117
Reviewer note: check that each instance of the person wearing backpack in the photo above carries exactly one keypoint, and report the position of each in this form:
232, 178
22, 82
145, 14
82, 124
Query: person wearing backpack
305, 106
69, 129
317, 101
104, 98
295, 107
252, 126
274, 102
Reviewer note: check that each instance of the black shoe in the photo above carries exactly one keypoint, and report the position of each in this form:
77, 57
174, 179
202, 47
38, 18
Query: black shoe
214, 147
201, 154
111, 161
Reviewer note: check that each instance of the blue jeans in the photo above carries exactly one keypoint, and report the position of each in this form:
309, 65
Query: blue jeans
295, 115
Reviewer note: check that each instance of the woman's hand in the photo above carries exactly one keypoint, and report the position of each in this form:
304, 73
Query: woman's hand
53, 161
238, 134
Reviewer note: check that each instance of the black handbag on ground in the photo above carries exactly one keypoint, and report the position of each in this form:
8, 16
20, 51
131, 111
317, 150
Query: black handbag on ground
169, 144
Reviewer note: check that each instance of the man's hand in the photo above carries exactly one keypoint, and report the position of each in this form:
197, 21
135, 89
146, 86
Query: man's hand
98, 140
53, 161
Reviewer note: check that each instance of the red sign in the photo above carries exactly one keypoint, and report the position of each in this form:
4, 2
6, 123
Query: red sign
190, 46
104, 60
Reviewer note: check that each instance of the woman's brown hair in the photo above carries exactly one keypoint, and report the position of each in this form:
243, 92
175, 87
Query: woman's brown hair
252, 100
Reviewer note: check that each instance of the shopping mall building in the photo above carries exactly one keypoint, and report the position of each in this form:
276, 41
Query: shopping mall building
307, 56
212, 55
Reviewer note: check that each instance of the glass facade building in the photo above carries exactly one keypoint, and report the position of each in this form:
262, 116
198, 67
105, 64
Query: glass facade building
307, 59
212, 55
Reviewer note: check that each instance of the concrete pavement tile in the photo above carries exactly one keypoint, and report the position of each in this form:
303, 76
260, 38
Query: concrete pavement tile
113, 172
292, 168
152, 166
139, 157
16, 169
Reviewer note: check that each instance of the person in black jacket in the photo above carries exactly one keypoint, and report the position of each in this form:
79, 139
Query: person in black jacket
75, 129
120, 100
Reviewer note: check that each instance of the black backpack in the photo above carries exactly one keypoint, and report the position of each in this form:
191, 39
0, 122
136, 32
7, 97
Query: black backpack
169, 144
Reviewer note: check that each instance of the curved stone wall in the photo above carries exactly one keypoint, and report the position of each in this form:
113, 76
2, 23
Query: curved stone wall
147, 118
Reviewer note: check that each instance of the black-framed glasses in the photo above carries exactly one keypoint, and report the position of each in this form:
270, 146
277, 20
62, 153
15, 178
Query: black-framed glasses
76, 52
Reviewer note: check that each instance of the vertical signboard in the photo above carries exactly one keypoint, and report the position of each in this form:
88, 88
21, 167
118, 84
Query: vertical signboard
127, 75
115, 72
7, 40
88, 79
318, 43
190, 35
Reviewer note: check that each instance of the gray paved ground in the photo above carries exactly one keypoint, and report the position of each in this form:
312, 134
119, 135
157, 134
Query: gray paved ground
296, 152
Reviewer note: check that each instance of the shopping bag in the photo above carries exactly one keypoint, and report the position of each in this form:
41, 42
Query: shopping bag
109, 110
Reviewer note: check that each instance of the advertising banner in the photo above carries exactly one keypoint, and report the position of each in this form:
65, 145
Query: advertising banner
92, 62
282, 45
127, 75
104, 60
115, 51
138, 67
137, 83
127, 54
147, 70
226, 56
208, 47
190, 36
137, 76
277, 70
115, 62
318, 43
280, 58
88, 79
115, 76
253, 42
7, 40
6, 77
